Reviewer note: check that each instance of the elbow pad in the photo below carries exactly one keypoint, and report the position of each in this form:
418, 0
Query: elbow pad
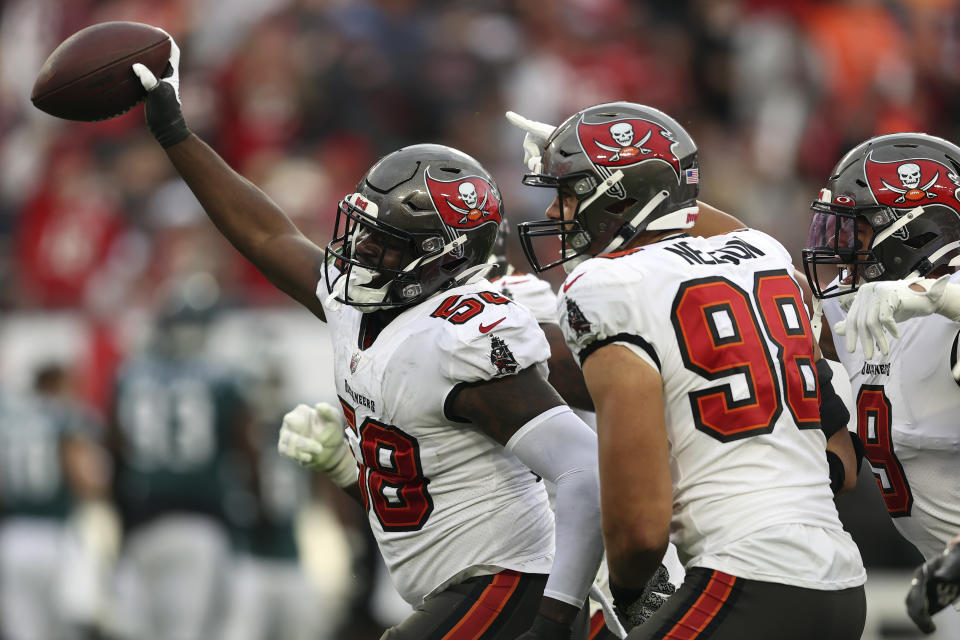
833, 412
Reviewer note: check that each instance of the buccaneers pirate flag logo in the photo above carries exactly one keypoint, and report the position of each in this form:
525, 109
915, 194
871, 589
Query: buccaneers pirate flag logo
465, 203
612, 145
910, 183
626, 142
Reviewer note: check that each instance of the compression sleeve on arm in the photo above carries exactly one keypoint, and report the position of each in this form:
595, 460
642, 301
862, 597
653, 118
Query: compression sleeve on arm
561, 448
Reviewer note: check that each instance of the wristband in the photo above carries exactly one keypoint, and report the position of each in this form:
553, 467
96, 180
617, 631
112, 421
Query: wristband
164, 117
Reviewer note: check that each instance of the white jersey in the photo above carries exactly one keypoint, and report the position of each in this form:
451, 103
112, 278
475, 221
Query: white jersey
907, 404
445, 501
723, 322
531, 292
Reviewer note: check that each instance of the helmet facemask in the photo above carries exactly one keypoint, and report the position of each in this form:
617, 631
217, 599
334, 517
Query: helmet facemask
575, 240
380, 266
835, 243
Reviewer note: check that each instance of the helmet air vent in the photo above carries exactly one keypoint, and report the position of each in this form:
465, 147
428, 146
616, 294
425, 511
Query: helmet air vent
411, 202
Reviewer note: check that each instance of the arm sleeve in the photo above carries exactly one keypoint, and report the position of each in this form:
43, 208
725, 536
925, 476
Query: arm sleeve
561, 448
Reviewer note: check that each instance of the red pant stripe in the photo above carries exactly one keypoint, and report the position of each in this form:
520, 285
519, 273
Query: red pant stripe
597, 625
487, 607
705, 609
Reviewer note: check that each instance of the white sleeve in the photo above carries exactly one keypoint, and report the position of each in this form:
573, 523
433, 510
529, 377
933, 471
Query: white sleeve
502, 340
594, 312
561, 448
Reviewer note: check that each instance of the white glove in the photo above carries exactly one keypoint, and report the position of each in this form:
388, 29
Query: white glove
97, 527
314, 437
150, 82
879, 306
535, 140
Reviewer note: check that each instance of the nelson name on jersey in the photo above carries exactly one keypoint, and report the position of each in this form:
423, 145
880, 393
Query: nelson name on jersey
733, 251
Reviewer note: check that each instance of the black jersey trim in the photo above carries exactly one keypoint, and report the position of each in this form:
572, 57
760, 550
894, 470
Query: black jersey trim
620, 337
954, 357
448, 404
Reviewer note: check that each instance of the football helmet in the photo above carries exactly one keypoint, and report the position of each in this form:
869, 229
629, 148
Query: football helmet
631, 168
890, 210
188, 308
423, 219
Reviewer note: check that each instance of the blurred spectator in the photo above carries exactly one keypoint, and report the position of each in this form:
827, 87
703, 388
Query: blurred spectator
69, 226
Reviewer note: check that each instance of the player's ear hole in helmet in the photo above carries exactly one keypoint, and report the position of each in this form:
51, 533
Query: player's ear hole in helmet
423, 219
889, 211
623, 168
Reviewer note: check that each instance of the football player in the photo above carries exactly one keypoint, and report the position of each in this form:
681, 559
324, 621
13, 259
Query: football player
53, 487
177, 423
536, 294
700, 361
442, 383
271, 595
884, 243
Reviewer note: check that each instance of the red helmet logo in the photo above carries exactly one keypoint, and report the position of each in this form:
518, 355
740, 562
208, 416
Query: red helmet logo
465, 203
911, 183
626, 142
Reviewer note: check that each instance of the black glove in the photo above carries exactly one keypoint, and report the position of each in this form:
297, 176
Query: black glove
936, 585
634, 607
546, 629
164, 118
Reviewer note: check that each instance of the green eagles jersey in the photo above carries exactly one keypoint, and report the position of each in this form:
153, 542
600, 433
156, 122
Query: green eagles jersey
31, 470
175, 420
282, 491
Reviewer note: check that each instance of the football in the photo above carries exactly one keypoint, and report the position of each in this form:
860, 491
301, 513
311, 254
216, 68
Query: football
88, 77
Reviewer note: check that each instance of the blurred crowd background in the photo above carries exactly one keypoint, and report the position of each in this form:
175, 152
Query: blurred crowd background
103, 250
